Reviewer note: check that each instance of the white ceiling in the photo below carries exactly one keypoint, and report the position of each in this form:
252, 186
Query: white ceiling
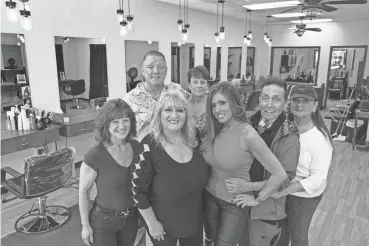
234, 9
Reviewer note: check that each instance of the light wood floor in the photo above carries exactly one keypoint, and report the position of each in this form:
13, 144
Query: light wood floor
342, 218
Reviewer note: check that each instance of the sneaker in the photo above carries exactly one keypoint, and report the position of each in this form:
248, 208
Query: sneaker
208, 242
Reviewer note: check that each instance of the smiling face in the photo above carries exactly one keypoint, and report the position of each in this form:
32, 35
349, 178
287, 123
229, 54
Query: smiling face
173, 117
272, 102
301, 107
119, 128
154, 70
220, 108
198, 86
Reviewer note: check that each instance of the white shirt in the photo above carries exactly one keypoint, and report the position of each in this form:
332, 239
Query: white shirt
314, 162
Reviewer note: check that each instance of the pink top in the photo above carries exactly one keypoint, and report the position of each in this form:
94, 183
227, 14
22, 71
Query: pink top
227, 160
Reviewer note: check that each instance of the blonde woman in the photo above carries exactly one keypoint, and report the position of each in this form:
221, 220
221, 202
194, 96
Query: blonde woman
171, 175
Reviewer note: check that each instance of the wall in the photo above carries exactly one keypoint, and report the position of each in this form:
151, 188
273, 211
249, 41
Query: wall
333, 34
154, 21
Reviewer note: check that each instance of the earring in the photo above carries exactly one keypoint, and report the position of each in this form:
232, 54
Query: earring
243, 111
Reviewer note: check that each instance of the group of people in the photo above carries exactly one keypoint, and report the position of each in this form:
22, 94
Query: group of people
192, 164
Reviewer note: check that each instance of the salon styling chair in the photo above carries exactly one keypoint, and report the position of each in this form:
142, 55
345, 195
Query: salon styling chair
42, 175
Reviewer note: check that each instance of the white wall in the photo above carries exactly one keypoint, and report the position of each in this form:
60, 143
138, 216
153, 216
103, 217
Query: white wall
90, 19
333, 34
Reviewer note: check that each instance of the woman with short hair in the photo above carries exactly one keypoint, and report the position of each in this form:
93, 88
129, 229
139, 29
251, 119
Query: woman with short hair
112, 219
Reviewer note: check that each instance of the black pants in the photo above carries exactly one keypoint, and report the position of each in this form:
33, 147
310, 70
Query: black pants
225, 221
195, 240
113, 229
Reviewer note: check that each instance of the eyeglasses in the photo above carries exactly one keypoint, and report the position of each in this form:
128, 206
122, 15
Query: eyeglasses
302, 101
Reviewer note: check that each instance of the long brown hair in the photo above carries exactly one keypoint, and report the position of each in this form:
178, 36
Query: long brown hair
320, 125
212, 125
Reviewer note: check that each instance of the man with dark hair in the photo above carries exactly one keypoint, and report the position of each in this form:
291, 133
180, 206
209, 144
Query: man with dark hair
265, 223
143, 98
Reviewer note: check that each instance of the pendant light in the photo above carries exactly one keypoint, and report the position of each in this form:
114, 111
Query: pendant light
11, 11
179, 20
120, 12
25, 21
249, 34
130, 18
222, 28
216, 35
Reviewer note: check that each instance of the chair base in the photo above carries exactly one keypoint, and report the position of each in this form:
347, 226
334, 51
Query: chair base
35, 221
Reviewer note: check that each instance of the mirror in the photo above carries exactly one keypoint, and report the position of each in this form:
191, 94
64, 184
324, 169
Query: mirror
219, 63
14, 74
250, 62
234, 63
82, 73
207, 57
345, 71
182, 60
295, 64
135, 51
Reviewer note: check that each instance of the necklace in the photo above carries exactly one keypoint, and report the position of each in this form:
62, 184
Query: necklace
297, 125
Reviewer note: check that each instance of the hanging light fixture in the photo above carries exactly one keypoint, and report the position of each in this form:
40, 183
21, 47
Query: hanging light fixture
179, 20
11, 11
216, 35
120, 12
123, 28
249, 34
245, 36
129, 17
25, 21
187, 24
222, 28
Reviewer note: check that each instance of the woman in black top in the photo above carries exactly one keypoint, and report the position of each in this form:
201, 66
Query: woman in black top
112, 219
170, 176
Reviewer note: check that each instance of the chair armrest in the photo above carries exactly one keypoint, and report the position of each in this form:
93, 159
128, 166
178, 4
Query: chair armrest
10, 171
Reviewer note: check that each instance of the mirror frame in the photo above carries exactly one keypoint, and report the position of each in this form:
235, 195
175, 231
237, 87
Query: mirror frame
295, 47
329, 64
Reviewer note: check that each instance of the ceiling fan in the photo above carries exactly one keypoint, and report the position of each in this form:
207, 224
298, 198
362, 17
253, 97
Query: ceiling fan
307, 6
301, 28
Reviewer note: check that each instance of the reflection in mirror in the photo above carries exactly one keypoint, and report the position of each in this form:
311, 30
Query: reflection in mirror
14, 74
182, 59
207, 57
135, 51
345, 71
234, 63
295, 64
219, 62
82, 73
250, 62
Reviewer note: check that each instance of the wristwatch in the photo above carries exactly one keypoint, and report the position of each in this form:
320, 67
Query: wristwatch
257, 198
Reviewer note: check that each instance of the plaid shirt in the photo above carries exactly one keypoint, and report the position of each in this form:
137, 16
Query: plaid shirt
143, 104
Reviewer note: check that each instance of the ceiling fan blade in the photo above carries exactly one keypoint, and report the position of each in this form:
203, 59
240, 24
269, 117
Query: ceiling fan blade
288, 10
346, 2
327, 8
313, 29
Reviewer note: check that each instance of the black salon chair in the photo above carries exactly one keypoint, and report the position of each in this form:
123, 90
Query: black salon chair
75, 88
42, 174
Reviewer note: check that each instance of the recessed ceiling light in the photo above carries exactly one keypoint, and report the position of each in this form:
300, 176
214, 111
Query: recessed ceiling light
272, 5
288, 15
311, 21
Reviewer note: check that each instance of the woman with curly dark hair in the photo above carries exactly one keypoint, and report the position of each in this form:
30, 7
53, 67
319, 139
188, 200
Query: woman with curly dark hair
112, 219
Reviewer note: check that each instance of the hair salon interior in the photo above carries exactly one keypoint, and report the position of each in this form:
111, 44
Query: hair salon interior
61, 60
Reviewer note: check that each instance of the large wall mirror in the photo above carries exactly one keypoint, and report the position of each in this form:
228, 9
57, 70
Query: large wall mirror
219, 64
14, 74
82, 73
135, 51
345, 71
295, 64
250, 61
182, 60
207, 57
234, 63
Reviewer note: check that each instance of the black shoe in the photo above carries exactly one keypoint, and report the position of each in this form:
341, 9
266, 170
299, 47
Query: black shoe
208, 242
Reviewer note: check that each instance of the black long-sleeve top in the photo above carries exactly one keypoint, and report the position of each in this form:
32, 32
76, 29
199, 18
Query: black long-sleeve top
173, 190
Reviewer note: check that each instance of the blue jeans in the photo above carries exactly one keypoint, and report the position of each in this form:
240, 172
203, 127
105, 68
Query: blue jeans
113, 229
194, 240
225, 220
300, 211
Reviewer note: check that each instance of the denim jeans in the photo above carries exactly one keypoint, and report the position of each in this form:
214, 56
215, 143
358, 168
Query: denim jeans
225, 220
194, 240
300, 211
113, 229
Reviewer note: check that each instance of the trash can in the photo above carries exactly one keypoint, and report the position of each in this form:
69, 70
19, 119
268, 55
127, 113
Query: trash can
350, 125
